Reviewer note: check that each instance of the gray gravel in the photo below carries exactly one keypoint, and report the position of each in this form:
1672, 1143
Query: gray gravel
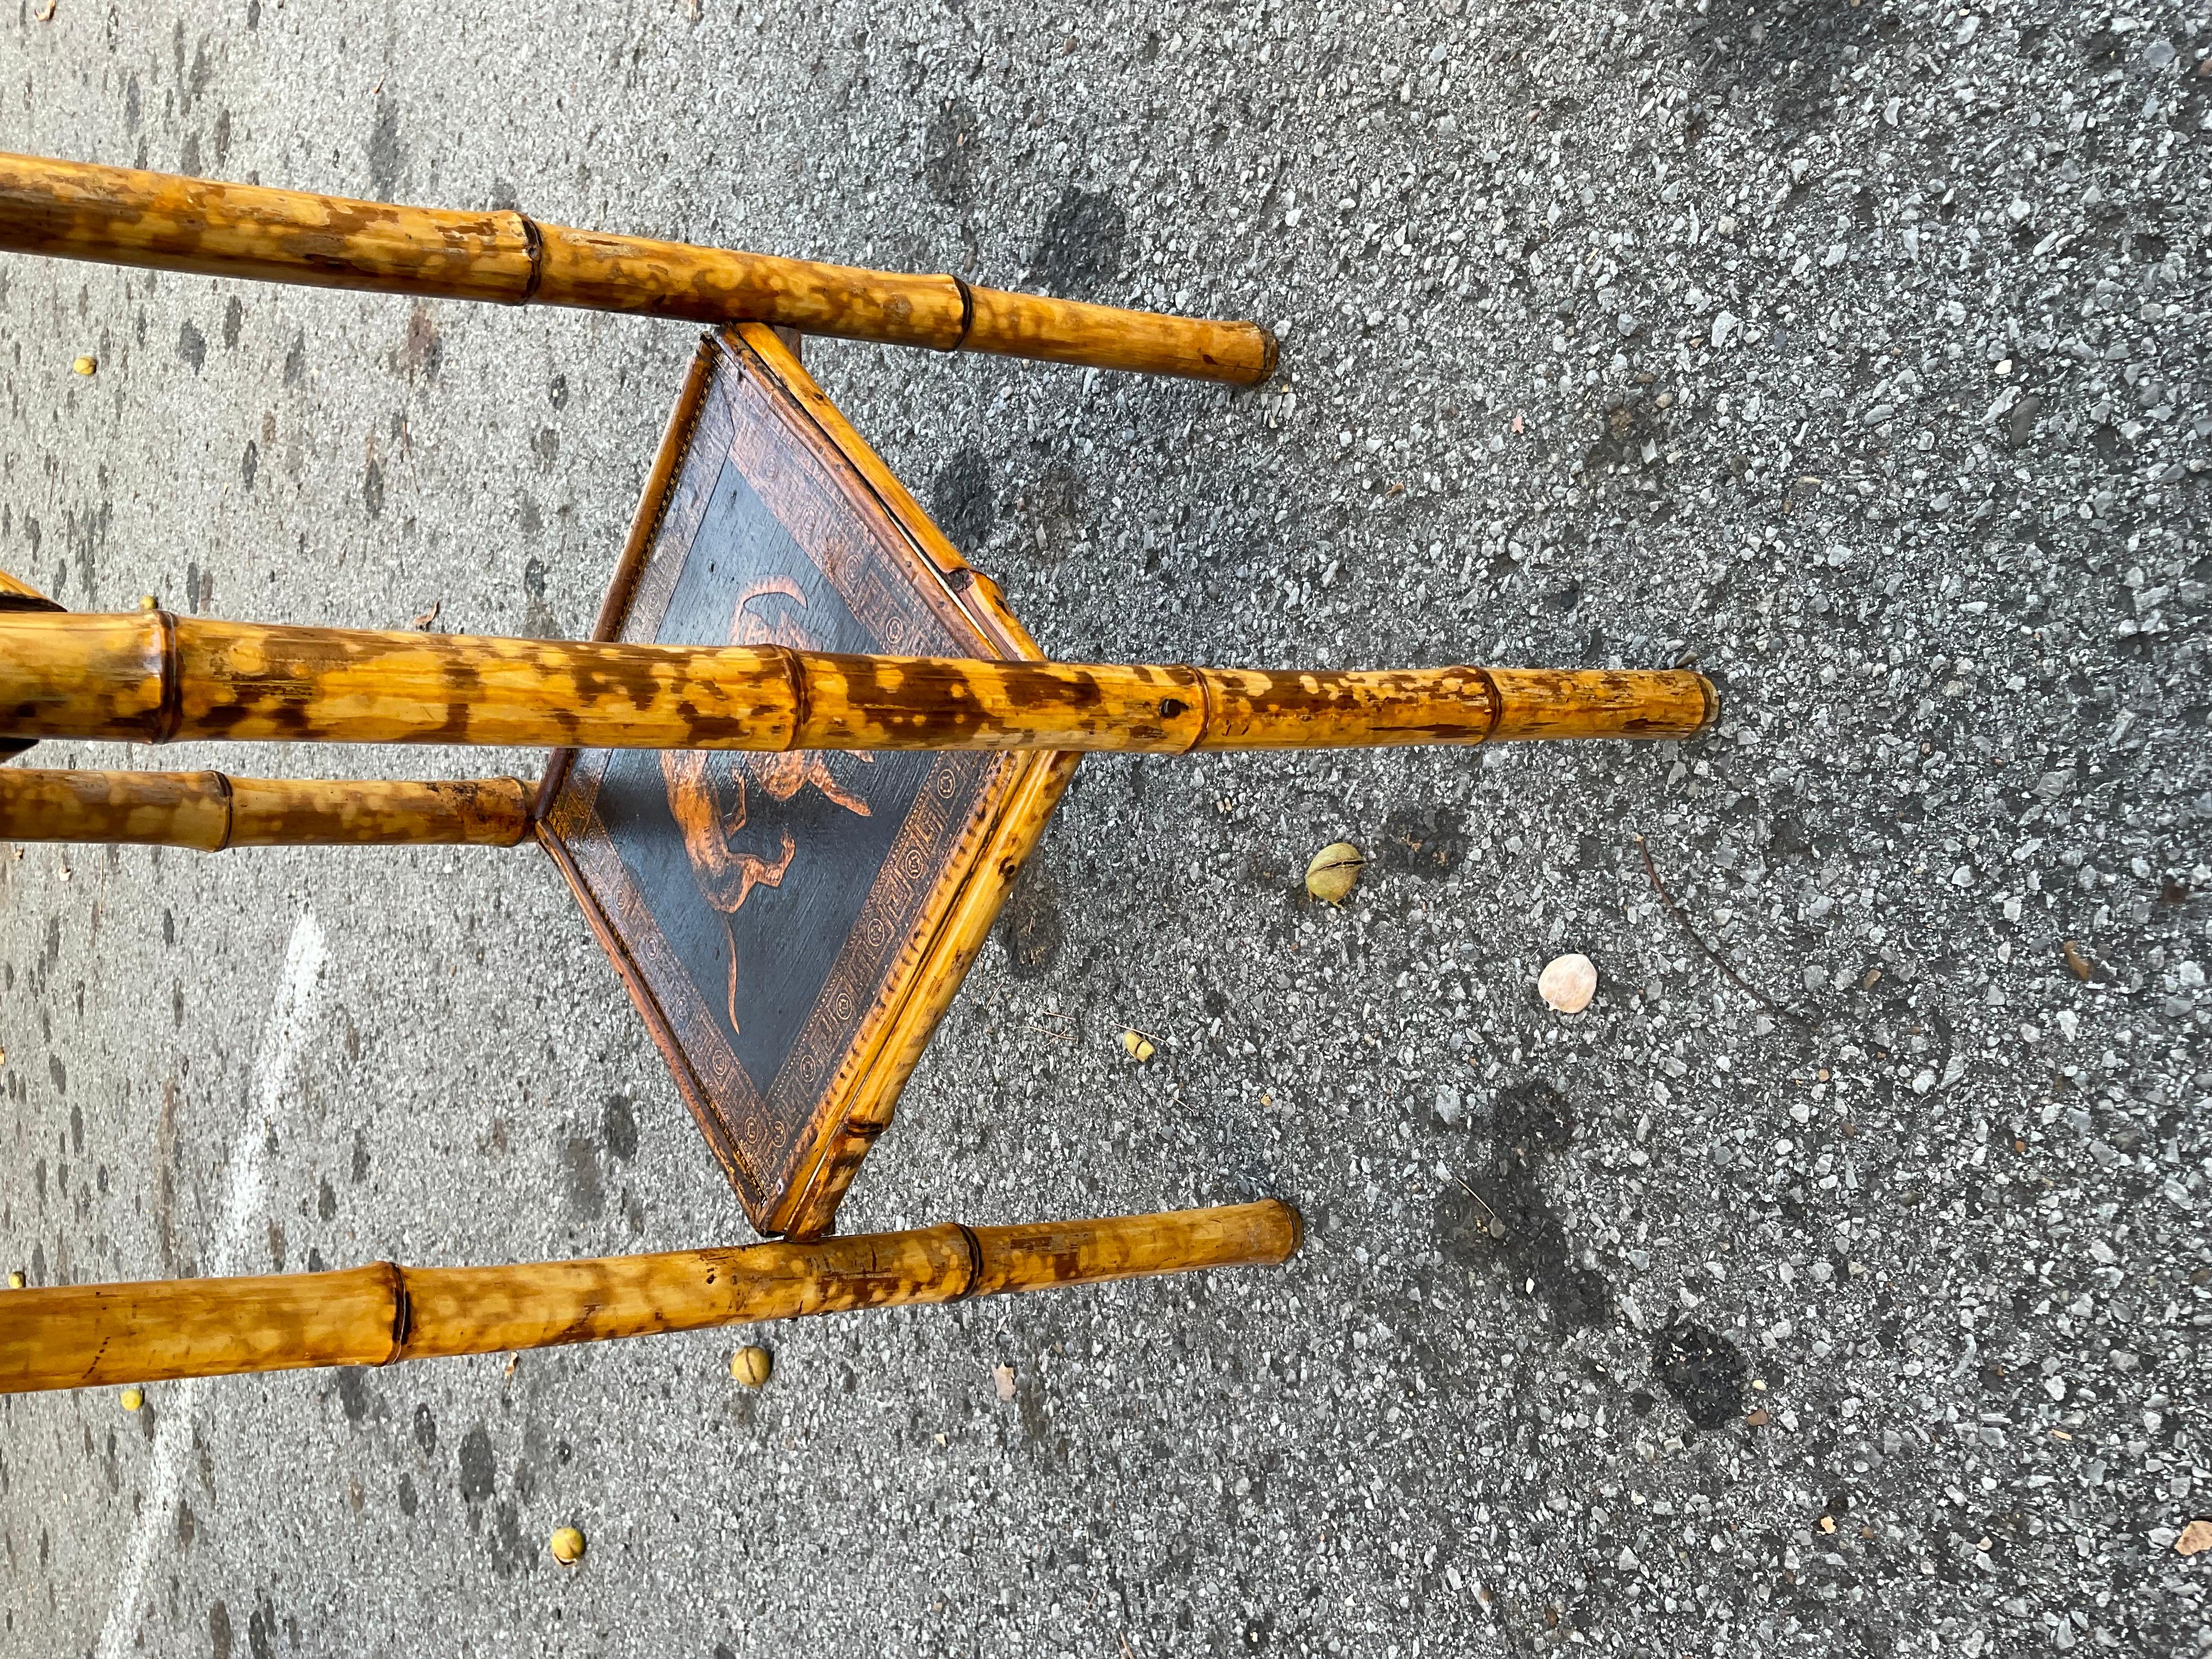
1852, 1287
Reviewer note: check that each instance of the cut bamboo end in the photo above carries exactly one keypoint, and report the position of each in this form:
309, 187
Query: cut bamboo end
1039, 1254
1101, 337
210, 812
122, 215
97, 1335
1542, 702
154, 677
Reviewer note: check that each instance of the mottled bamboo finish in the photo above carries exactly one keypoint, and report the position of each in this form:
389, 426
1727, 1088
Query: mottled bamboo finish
121, 216
212, 810
18, 595
150, 676
80, 1336
808, 1205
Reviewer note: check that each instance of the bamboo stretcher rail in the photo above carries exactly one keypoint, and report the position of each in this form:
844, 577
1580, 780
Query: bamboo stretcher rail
79, 1336
120, 215
212, 810
151, 676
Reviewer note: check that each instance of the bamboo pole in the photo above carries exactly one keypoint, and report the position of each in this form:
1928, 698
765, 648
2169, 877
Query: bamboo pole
151, 676
120, 215
211, 811
16, 595
80, 1336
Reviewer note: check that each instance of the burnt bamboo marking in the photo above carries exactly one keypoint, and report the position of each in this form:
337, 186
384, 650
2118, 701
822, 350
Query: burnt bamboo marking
125, 215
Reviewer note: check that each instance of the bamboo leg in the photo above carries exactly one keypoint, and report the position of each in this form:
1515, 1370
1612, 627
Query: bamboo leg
16, 595
75, 210
209, 811
150, 676
79, 1336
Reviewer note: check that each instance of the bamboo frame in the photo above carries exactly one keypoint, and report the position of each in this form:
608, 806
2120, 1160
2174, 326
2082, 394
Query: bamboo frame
152, 676
211, 811
121, 216
83, 1336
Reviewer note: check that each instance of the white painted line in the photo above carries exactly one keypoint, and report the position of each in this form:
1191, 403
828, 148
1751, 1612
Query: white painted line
299, 992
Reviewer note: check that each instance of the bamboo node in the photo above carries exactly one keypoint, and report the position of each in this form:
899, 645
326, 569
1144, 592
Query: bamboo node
1497, 705
801, 704
403, 1311
171, 713
1202, 683
219, 783
974, 1261
533, 241
967, 313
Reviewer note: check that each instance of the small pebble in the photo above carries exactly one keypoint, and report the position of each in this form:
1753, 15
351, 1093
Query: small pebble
133, 1398
751, 1364
567, 1546
1568, 982
2196, 1538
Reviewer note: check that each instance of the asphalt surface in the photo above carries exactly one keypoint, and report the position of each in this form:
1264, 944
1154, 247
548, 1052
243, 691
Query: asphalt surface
1849, 1287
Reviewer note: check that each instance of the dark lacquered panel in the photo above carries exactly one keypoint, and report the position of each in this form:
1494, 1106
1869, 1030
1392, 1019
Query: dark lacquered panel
765, 904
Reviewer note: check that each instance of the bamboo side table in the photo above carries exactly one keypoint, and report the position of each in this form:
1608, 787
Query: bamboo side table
794, 914
794, 771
